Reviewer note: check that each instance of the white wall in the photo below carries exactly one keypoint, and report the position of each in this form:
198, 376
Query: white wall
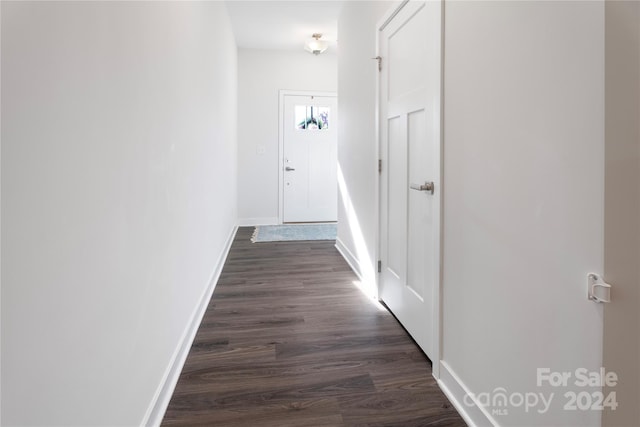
622, 208
523, 196
357, 146
118, 196
261, 75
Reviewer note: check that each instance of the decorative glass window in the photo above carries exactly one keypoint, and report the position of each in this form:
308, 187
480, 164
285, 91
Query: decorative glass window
311, 117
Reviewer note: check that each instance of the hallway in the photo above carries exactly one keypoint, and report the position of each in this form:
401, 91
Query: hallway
136, 137
289, 340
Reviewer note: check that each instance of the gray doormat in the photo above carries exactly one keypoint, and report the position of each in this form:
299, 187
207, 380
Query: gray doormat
281, 233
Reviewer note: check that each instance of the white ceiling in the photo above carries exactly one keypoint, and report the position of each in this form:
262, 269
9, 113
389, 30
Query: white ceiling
283, 25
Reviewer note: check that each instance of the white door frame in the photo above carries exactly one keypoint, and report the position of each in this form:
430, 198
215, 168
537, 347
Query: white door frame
283, 93
437, 307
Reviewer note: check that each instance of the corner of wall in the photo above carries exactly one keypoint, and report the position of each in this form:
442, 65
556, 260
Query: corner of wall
462, 399
250, 222
162, 397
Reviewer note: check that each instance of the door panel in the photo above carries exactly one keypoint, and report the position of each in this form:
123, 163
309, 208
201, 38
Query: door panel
410, 149
397, 224
407, 55
419, 208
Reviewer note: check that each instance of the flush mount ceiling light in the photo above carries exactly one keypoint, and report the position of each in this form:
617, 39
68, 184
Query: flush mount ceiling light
315, 45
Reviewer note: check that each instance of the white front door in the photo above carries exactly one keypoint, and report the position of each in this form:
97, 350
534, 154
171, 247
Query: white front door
310, 159
410, 180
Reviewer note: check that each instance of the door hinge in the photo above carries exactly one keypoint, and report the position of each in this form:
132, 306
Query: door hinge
379, 59
379, 266
379, 165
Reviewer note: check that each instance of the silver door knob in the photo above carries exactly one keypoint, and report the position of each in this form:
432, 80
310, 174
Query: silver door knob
427, 186
289, 168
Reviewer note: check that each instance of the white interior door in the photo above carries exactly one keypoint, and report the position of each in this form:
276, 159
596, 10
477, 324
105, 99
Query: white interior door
310, 159
410, 180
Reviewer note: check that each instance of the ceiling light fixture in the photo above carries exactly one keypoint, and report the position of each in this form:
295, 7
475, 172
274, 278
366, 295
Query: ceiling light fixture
315, 45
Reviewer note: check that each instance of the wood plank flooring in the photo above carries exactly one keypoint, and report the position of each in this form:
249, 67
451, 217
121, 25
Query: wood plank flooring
289, 340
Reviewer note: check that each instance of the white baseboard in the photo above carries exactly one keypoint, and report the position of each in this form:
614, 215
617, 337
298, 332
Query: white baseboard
159, 404
474, 415
349, 257
246, 222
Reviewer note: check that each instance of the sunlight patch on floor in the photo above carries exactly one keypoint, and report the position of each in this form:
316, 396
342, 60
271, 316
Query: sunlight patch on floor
367, 293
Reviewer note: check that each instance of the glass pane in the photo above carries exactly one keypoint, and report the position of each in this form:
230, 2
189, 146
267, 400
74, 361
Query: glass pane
323, 117
301, 117
311, 117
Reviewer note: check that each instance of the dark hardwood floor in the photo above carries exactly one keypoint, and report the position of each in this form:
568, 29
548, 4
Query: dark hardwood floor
289, 340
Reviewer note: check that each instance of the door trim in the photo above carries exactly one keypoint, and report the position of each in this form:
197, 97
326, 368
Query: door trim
437, 296
282, 94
